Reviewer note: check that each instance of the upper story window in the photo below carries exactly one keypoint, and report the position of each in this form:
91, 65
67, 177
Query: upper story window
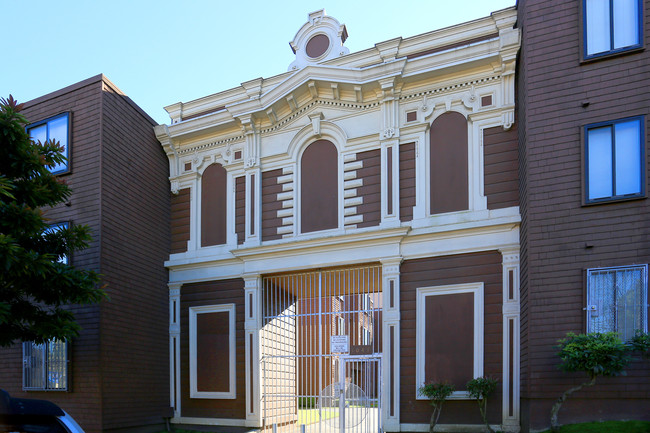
614, 153
617, 300
611, 26
214, 205
57, 129
319, 187
448, 172
45, 365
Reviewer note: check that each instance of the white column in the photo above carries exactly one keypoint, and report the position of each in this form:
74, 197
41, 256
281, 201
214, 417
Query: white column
390, 382
252, 323
175, 347
511, 343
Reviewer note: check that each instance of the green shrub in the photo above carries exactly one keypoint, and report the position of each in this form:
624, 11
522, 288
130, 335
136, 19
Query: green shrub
437, 393
306, 402
596, 355
480, 389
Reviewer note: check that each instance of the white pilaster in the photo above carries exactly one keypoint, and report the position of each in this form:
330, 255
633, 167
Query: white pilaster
175, 347
390, 382
511, 339
252, 323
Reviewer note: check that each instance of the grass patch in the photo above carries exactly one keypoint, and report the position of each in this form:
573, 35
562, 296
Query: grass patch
310, 416
606, 427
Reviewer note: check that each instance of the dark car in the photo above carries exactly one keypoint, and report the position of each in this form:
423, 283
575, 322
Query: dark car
34, 416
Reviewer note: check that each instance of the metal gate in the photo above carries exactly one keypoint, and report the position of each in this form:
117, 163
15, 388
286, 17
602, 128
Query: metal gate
321, 351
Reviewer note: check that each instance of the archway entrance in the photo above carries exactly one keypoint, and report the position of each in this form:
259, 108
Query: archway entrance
321, 351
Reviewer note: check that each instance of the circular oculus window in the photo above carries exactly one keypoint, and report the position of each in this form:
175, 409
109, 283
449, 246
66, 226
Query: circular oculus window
317, 46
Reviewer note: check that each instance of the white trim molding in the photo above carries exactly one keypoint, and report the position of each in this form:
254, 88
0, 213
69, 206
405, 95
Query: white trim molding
422, 293
193, 312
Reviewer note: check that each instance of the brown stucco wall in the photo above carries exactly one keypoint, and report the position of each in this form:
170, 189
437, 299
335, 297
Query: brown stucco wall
370, 191
214, 293
500, 155
465, 268
271, 205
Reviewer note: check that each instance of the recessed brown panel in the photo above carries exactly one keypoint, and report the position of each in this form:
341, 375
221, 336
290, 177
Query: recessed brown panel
319, 187
411, 116
240, 208
449, 355
317, 46
212, 352
214, 293
448, 163
180, 221
486, 100
213, 205
406, 181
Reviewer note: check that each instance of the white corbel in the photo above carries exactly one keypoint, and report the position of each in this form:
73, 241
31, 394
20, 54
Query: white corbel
315, 122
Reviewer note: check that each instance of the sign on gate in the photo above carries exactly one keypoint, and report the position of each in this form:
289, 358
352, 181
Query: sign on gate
340, 344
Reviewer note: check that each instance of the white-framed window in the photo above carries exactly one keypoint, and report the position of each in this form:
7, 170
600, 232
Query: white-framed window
449, 336
212, 351
617, 300
611, 26
45, 366
55, 128
615, 160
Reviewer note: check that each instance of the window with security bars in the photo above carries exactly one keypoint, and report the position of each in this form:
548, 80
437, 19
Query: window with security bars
617, 300
45, 365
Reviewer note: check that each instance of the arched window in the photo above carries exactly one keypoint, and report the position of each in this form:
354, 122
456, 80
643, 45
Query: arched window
319, 187
448, 164
213, 206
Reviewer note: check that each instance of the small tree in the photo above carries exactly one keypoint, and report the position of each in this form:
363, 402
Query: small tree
437, 393
480, 389
35, 283
595, 354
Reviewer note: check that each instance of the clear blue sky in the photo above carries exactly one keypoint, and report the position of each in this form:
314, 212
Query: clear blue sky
160, 52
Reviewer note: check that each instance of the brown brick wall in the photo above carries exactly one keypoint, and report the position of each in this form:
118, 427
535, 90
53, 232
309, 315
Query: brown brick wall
406, 181
501, 167
271, 205
180, 221
371, 189
466, 268
135, 243
554, 89
214, 293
